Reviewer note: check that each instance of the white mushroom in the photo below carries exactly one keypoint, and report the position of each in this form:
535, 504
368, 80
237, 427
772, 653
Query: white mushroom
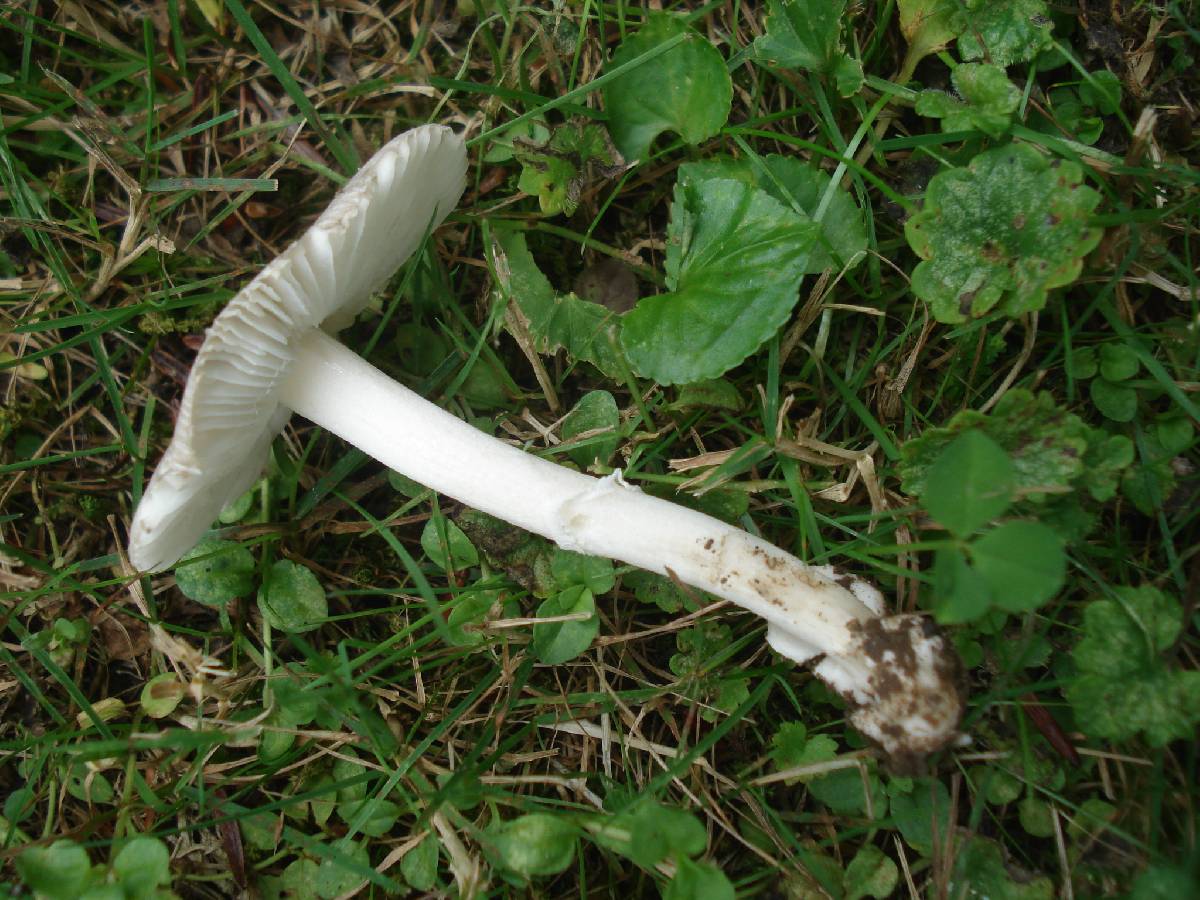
268, 354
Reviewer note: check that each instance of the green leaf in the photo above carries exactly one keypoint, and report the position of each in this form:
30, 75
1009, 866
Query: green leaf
468, 615
595, 415
447, 546
1118, 362
373, 816
1106, 457
1046, 444
59, 872
1124, 686
291, 599
420, 864
716, 393
923, 814
1115, 401
142, 866
659, 590
215, 572
686, 89
587, 331
698, 881
657, 832
697, 647
799, 186
1101, 90
870, 874
806, 35
1001, 233
987, 105
961, 594
572, 569
791, 748
162, 694
980, 871
970, 484
557, 172
532, 845
735, 257
1003, 31
1022, 562
558, 642
928, 26
334, 877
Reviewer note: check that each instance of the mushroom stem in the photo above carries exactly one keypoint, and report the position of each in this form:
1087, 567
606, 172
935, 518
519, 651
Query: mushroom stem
900, 676
808, 608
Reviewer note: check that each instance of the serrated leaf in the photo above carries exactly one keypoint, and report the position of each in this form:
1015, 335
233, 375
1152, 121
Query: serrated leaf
659, 590
215, 572
1124, 686
805, 35
1001, 233
686, 89
987, 104
292, 599
1003, 31
597, 416
735, 257
558, 642
1022, 563
970, 484
586, 331
799, 186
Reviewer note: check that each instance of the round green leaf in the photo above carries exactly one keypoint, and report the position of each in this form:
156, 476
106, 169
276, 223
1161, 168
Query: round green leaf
960, 594
870, 874
299, 880
335, 877
1118, 362
215, 572
162, 694
735, 257
557, 642
686, 89
59, 872
420, 864
970, 484
1001, 233
291, 599
698, 881
142, 867
535, 844
447, 545
597, 416
467, 615
1115, 401
657, 832
572, 569
1022, 562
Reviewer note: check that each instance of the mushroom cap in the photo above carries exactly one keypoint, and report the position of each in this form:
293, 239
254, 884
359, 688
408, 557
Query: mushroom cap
230, 411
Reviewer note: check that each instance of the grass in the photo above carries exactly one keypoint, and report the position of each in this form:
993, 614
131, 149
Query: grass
153, 156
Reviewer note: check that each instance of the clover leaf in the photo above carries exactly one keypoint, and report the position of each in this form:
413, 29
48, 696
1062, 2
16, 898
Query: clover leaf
215, 572
735, 257
987, 104
291, 599
1124, 686
805, 35
558, 642
591, 428
531, 845
1001, 233
685, 89
1003, 31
